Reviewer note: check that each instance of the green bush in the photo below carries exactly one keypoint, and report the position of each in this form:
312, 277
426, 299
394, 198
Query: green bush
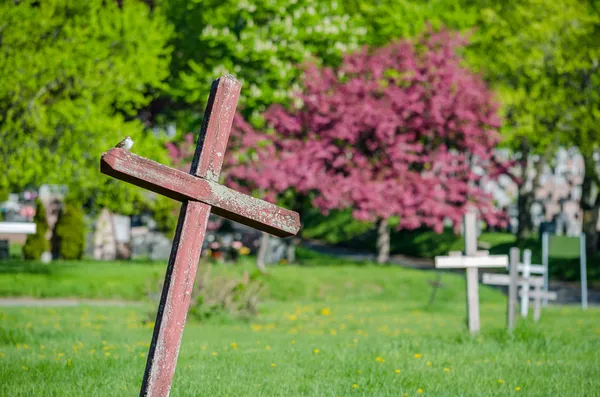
68, 241
36, 243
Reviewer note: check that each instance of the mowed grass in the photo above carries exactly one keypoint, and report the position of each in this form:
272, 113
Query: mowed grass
322, 331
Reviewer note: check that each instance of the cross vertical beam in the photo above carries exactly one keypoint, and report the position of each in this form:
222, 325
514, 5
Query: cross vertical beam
526, 273
472, 273
187, 243
512, 287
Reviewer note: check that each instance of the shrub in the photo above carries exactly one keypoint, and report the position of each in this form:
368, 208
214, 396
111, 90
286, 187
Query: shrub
36, 243
225, 295
68, 241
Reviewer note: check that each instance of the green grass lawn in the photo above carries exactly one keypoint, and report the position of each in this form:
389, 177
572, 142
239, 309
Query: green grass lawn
321, 331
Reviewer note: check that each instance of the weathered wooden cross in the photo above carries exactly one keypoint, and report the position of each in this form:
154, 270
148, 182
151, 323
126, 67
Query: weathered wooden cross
471, 262
200, 195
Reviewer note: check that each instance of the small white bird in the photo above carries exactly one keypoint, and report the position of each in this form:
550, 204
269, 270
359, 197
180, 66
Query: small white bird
126, 143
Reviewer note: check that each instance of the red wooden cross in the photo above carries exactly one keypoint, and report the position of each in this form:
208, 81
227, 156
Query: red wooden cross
200, 195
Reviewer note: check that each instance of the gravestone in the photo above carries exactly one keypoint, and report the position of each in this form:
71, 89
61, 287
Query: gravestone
471, 262
105, 245
200, 194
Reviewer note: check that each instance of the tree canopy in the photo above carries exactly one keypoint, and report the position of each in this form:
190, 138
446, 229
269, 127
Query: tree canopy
76, 74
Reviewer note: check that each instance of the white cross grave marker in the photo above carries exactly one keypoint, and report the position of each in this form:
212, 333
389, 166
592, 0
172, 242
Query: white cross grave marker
471, 262
525, 270
526, 281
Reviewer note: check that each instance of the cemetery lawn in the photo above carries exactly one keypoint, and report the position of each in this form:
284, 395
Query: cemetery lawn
322, 331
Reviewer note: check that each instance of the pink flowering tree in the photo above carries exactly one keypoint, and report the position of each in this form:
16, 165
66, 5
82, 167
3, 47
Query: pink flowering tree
403, 132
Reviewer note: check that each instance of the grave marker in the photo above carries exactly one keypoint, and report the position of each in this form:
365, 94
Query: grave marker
526, 281
525, 272
537, 295
200, 195
471, 262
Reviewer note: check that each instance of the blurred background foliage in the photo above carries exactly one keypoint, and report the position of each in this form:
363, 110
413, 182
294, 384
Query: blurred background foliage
78, 76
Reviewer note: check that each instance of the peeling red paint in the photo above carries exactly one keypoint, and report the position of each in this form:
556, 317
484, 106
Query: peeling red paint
200, 194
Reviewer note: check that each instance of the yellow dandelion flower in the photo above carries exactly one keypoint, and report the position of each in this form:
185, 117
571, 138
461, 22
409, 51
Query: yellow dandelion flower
233, 345
419, 391
316, 351
25, 346
333, 332
446, 369
500, 381
215, 354
203, 347
267, 347
354, 386
142, 354
397, 371
107, 354
273, 365
2, 354
293, 342
42, 347
293, 317
380, 359
405, 394
61, 354
325, 311
518, 388
25, 368
358, 371
418, 355
429, 363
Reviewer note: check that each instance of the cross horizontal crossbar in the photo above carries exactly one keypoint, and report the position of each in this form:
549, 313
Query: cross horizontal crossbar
183, 186
454, 262
504, 279
536, 269
550, 295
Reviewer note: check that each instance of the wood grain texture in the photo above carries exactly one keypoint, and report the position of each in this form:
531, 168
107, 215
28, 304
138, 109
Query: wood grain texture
216, 125
182, 186
175, 299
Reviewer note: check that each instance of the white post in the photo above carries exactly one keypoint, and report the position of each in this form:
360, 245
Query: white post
525, 286
472, 276
545, 238
512, 287
583, 268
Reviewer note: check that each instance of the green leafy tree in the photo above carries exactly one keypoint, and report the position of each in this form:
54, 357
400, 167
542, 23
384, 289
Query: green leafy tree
581, 120
261, 43
74, 76
388, 20
68, 239
36, 244
523, 48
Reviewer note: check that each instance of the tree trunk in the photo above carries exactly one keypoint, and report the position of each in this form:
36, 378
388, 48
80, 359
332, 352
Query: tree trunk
590, 205
262, 253
383, 241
